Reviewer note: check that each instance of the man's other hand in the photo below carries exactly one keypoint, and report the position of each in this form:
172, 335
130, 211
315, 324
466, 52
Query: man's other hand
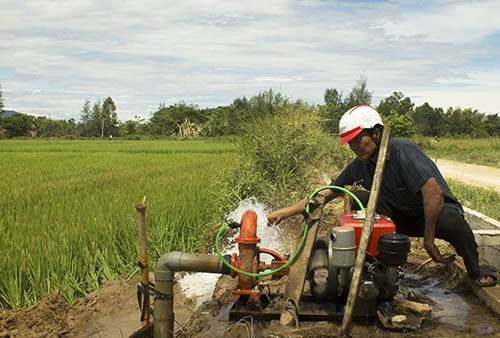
433, 251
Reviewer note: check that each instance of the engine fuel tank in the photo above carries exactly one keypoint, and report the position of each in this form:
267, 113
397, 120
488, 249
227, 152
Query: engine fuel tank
382, 225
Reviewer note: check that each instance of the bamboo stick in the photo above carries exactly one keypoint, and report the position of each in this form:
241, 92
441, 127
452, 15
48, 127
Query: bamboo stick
143, 255
365, 234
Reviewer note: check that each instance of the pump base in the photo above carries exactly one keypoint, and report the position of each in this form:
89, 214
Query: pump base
308, 312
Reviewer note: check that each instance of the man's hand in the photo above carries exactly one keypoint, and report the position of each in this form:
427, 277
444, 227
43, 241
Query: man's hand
277, 216
274, 218
433, 251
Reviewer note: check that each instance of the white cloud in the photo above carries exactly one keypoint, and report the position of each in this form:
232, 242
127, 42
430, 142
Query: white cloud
142, 53
479, 90
445, 21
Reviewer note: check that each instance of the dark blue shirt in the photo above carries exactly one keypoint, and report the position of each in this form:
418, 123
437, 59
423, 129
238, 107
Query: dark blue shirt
406, 170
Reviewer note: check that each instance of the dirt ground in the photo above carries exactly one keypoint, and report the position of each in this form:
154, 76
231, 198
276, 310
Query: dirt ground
483, 176
53, 317
112, 311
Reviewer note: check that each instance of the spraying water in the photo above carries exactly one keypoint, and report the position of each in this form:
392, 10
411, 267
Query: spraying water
270, 237
326, 180
201, 285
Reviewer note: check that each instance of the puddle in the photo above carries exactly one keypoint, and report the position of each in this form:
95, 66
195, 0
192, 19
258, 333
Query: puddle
453, 310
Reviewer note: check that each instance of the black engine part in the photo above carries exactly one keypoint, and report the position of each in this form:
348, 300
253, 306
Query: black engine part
393, 249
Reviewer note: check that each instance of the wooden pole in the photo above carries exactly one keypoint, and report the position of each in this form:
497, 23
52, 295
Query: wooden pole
365, 234
143, 255
298, 268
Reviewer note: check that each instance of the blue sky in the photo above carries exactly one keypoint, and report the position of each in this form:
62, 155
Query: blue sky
55, 54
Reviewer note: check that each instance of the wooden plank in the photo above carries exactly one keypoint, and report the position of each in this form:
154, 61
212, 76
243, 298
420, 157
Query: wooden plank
366, 233
298, 269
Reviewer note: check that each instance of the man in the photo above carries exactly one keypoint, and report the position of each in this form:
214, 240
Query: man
413, 192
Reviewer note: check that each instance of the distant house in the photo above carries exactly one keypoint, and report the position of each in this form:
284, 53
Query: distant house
6, 113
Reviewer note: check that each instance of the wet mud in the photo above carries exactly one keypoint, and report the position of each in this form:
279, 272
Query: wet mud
112, 311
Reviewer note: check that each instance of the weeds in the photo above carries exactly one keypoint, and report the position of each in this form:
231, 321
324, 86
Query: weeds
279, 157
484, 151
486, 201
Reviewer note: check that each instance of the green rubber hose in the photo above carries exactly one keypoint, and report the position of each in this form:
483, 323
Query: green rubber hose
304, 236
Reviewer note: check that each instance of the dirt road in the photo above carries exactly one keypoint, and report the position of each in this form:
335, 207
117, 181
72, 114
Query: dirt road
483, 176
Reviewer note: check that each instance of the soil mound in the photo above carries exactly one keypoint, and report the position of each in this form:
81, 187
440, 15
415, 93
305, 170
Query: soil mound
48, 317
53, 317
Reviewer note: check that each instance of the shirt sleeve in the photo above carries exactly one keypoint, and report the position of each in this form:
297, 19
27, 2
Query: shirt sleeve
416, 167
345, 177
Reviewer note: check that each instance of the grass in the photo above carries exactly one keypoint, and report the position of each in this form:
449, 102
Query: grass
486, 201
484, 151
67, 210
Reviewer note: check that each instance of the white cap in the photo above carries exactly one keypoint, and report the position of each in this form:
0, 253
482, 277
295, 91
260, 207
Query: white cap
355, 120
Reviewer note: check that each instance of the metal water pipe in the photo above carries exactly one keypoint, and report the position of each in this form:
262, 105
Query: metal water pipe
165, 268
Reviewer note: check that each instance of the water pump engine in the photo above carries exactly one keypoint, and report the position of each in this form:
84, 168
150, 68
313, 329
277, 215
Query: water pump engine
332, 262
329, 270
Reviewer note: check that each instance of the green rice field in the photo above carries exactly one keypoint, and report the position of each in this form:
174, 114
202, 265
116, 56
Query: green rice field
67, 211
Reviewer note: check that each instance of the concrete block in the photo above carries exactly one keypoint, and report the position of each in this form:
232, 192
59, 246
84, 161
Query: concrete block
487, 237
478, 221
490, 255
488, 242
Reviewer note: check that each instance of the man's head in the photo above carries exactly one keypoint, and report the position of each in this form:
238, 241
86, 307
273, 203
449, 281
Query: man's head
361, 127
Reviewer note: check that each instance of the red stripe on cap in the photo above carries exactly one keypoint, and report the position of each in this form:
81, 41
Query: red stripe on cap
361, 105
349, 135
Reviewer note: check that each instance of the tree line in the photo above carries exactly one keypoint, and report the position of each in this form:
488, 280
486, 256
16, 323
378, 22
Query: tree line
99, 119
406, 119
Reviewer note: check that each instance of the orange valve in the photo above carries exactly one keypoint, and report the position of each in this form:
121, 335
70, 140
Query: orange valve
248, 259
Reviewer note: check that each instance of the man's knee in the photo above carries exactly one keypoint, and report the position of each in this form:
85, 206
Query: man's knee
451, 224
452, 227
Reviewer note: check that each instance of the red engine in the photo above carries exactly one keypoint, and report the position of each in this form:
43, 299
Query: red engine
382, 225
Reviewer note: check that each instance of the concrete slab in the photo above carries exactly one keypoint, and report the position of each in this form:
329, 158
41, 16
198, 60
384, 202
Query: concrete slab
488, 242
478, 221
487, 237
490, 255
487, 234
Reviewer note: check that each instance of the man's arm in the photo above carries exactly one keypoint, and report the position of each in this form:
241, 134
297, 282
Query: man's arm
433, 206
277, 216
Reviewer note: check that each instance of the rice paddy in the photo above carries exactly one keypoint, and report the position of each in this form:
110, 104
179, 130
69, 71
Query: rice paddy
67, 210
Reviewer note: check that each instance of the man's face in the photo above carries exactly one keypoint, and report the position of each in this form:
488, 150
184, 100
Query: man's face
363, 145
